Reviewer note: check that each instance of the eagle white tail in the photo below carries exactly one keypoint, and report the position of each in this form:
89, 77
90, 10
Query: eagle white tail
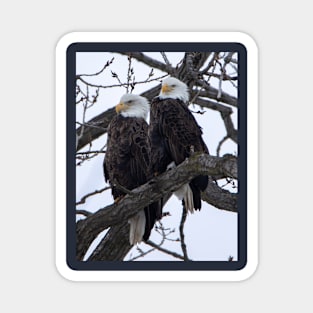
137, 227
185, 193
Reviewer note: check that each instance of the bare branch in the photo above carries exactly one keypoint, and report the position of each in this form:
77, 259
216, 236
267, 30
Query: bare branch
90, 152
218, 149
181, 232
84, 198
212, 93
139, 56
107, 64
120, 84
167, 62
83, 212
142, 254
225, 114
91, 133
174, 254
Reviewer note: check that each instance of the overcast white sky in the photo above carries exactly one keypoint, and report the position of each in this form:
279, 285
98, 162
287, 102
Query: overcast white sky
210, 234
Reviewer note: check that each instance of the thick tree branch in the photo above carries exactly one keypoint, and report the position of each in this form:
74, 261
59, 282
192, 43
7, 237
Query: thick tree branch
216, 106
212, 93
155, 189
114, 246
220, 198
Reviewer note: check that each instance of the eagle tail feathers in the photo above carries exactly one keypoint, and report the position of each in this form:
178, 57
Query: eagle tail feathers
137, 227
185, 193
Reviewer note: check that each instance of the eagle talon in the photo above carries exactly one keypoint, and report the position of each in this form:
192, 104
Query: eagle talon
118, 199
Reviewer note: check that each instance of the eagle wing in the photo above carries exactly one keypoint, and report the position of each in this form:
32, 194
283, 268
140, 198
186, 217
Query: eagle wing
128, 162
174, 133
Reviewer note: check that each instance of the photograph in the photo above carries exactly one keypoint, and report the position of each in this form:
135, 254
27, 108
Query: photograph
159, 158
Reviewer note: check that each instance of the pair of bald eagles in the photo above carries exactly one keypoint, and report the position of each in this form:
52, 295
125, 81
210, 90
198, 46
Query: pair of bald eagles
137, 151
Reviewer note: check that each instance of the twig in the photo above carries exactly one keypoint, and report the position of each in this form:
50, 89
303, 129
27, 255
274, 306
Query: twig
174, 254
90, 152
93, 125
85, 106
83, 212
83, 199
218, 149
114, 75
142, 254
167, 62
121, 84
108, 63
88, 155
129, 74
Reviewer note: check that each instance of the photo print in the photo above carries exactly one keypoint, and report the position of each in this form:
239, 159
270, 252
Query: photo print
156, 156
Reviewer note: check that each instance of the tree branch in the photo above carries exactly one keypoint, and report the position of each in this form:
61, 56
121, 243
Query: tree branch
83, 199
139, 56
220, 198
172, 253
225, 114
212, 93
182, 235
91, 133
114, 246
155, 189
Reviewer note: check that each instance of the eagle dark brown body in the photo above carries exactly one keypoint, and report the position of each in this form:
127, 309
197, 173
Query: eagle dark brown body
175, 135
128, 161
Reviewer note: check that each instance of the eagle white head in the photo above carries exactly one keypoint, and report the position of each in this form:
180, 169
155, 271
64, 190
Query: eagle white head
133, 106
175, 89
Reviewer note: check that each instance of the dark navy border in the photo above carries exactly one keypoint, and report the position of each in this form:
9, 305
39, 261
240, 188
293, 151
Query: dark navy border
70, 156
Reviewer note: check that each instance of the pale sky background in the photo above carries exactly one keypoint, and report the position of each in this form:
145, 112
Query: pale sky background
210, 234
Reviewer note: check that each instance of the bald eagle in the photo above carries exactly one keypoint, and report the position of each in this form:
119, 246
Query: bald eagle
128, 161
175, 135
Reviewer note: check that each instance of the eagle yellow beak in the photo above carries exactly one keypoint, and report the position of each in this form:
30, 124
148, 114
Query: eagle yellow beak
166, 88
120, 107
